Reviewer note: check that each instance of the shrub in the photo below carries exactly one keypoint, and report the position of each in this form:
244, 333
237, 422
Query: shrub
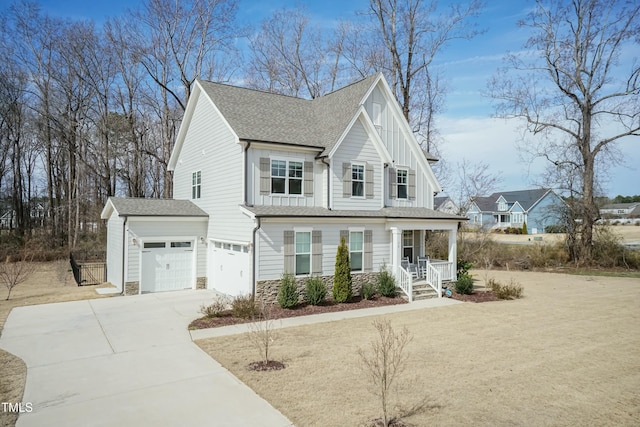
464, 284
368, 290
215, 309
386, 283
288, 291
513, 290
316, 291
342, 279
464, 266
245, 307
524, 228
555, 228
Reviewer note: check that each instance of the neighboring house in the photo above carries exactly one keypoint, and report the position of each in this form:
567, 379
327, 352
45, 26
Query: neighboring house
8, 217
538, 208
445, 204
621, 210
271, 183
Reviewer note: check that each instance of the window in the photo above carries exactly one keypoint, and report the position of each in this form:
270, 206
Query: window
355, 249
286, 177
154, 245
357, 180
402, 182
516, 217
407, 244
196, 181
502, 205
303, 252
180, 244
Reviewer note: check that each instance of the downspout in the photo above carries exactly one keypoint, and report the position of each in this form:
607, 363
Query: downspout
124, 251
246, 173
253, 255
328, 182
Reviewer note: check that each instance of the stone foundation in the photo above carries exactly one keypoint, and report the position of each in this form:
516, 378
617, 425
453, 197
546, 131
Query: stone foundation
201, 283
132, 288
267, 290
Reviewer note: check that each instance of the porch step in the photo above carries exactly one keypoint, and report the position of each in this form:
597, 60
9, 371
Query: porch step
420, 292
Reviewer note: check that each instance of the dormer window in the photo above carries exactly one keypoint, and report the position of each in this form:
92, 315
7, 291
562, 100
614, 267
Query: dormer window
502, 205
357, 180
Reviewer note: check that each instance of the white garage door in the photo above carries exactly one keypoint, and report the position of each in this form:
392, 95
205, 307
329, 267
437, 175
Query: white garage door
230, 268
166, 266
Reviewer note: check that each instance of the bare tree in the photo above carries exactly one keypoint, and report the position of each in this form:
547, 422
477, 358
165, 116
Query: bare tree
575, 95
385, 361
474, 180
15, 273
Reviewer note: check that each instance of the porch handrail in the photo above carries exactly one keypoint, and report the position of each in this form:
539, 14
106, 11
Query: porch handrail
403, 280
434, 279
445, 268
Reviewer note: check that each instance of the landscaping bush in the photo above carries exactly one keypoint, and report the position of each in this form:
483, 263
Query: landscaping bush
464, 267
368, 290
245, 307
316, 291
513, 290
342, 279
524, 228
386, 283
215, 309
464, 284
553, 229
288, 292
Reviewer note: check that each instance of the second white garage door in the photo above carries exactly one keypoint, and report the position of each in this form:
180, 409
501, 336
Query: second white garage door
230, 268
167, 266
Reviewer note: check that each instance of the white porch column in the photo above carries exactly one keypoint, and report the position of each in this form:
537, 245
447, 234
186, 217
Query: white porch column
453, 249
396, 239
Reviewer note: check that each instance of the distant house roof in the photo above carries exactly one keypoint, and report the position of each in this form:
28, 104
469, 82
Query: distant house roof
256, 115
439, 200
151, 207
390, 212
526, 198
621, 205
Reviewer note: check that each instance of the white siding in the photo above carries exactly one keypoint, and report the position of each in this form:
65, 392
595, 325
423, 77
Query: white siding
164, 230
357, 147
271, 244
114, 250
398, 143
210, 147
254, 196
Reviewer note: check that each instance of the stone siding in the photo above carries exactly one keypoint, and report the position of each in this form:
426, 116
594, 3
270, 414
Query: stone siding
201, 283
267, 290
132, 288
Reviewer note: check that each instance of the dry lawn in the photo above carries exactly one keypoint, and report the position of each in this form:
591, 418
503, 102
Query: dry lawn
51, 282
627, 233
565, 354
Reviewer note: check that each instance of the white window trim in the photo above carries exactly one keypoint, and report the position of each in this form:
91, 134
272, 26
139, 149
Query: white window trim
297, 230
364, 179
287, 160
406, 184
361, 251
197, 187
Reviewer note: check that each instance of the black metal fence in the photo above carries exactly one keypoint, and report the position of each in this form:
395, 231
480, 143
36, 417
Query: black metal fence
88, 273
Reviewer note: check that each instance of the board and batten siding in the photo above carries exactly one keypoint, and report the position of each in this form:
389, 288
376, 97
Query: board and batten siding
164, 231
114, 249
271, 245
397, 143
308, 200
210, 147
357, 147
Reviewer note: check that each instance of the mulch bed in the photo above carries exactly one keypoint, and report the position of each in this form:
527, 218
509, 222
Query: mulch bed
262, 366
476, 296
276, 312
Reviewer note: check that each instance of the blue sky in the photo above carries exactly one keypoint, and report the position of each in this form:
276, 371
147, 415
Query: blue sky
466, 125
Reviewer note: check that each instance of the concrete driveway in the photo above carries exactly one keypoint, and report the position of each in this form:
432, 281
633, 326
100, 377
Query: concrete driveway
126, 361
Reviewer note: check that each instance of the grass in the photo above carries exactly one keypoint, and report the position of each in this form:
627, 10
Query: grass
605, 273
51, 282
549, 358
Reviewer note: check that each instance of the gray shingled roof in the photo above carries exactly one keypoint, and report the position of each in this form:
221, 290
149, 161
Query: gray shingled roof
263, 116
526, 199
437, 201
621, 205
155, 207
298, 211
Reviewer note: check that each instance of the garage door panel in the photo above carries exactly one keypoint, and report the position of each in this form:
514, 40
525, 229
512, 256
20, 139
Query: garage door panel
166, 269
230, 268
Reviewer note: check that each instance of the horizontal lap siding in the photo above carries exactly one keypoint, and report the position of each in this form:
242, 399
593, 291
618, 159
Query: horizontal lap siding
210, 147
271, 246
357, 147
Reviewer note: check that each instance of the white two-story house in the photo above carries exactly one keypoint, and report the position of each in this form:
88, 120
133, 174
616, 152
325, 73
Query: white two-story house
269, 184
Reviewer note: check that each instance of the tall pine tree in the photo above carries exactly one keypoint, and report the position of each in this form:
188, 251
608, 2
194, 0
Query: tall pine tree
342, 278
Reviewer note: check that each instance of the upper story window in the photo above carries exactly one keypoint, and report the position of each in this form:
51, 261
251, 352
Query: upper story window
303, 252
402, 183
196, 185
357, 180
286, 177
502, 205
356, 245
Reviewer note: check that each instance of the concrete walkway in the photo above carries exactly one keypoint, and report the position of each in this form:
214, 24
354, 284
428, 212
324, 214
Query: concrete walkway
126, 361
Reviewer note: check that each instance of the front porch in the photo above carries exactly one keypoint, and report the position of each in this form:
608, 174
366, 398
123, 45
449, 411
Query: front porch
417, 274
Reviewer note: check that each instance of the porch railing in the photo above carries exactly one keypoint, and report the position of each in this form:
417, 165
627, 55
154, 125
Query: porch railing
445, 268
434, 278
403, 280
